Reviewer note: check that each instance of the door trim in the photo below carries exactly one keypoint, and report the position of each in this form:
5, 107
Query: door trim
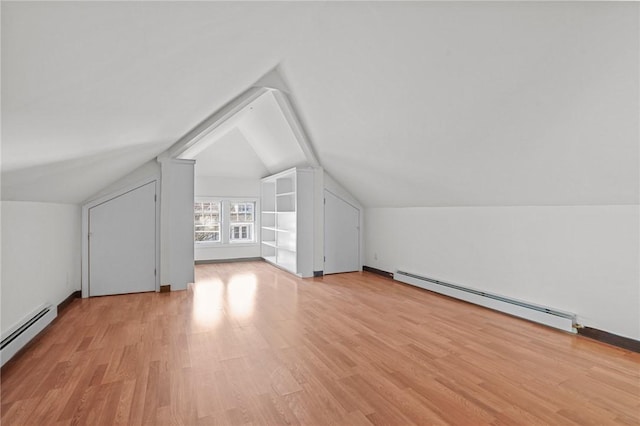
103, 199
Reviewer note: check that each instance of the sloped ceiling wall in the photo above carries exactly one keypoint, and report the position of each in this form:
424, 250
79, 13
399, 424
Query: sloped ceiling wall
406, 104
230, 156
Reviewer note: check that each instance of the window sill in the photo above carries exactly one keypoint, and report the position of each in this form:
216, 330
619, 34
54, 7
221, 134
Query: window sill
224, 245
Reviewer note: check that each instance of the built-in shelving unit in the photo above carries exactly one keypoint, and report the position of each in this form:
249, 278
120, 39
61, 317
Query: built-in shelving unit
287, 220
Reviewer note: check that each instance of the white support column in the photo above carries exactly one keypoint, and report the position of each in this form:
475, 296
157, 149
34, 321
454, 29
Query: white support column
176, 223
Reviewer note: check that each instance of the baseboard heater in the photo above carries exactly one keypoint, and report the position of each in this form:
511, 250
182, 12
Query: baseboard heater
552, 317
22, 334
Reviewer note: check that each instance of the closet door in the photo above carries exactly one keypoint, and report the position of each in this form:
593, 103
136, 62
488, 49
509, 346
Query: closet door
341, 235
122, 243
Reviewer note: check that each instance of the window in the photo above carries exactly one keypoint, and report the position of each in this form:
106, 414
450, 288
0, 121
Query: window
207, 221
241, 220
224, 221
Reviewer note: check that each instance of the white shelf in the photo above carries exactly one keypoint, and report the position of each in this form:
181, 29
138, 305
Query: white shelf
272, 228
287, 249
287, 198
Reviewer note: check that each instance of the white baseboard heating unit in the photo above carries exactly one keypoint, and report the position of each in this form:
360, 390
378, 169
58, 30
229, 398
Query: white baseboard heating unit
558, 319
16, 338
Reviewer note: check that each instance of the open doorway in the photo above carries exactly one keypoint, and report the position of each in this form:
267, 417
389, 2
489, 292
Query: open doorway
253, 140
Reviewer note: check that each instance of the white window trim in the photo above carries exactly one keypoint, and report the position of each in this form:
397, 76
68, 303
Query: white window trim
225, 222
199, 243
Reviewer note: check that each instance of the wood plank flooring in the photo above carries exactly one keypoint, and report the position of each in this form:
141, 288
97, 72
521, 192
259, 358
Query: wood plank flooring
250, 344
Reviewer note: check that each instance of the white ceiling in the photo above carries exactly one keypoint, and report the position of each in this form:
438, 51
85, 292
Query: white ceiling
230, 156
405, 103
255, 142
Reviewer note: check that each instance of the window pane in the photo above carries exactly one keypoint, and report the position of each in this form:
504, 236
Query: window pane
206, 221
242, 212
242, 220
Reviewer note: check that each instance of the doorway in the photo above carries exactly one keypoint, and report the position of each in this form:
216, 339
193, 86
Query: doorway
341, 235
122, 243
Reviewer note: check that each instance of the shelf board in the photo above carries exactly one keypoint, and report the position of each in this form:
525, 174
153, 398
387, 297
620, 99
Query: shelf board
286, 249
282, 194
271, 228
269, 211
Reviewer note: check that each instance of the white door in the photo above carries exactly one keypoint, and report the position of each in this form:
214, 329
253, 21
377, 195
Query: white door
341, 235
122, 243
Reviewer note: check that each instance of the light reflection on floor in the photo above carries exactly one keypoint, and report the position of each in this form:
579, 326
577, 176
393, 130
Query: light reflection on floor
241, 295
212, 298
208, 302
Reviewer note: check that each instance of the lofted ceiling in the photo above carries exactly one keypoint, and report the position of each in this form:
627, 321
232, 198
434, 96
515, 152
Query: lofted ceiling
404, 103
230, 155
255, 142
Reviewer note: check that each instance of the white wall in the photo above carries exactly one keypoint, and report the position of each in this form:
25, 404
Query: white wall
40, 257
144, 173
581, 259
213, 186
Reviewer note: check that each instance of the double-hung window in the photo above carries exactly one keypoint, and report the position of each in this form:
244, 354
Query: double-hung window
241, 219
224, 221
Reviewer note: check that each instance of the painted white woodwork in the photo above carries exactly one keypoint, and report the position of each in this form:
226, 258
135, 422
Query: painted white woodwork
333, 186
287, 220
341, 235
122, 243
149, 172
176, 211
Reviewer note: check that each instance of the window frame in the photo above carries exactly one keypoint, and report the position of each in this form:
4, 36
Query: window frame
238, 223
225, 222
220, 215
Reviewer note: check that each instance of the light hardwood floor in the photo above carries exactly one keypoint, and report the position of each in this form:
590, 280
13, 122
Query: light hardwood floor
250, 344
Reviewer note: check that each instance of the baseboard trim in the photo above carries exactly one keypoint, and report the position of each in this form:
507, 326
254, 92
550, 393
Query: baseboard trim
66, 302
240, 259
610, 338
377, 271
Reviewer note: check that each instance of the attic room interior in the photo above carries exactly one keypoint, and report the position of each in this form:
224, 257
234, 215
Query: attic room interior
317, 213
